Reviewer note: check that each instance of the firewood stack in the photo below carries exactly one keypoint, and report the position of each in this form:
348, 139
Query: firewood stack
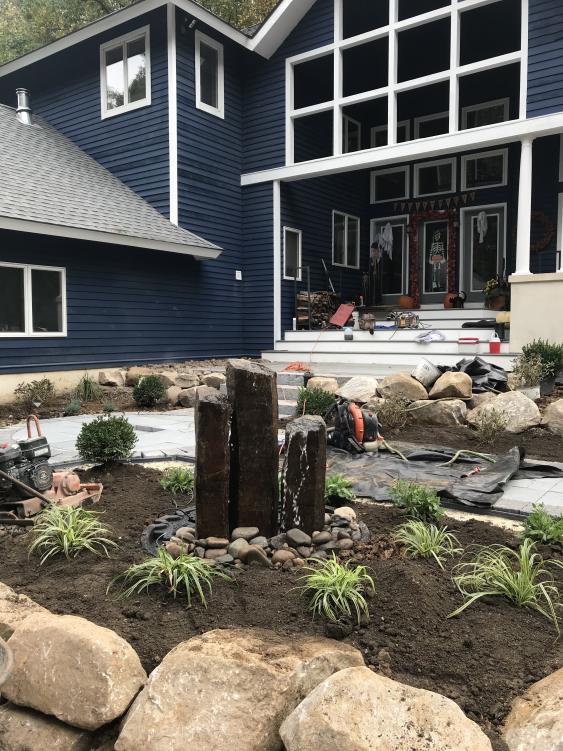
323, 306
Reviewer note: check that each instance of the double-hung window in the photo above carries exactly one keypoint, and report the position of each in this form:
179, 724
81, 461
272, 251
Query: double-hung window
32, 300
125, 73
209, 75
345, 240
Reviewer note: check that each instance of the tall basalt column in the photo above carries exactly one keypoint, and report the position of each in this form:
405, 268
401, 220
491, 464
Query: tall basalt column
304, 474
212, 424
253, 396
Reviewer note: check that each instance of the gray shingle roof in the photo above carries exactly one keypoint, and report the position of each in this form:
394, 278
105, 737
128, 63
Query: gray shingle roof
46, 178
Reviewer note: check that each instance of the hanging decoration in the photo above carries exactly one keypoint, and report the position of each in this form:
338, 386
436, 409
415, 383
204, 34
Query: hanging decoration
436, 204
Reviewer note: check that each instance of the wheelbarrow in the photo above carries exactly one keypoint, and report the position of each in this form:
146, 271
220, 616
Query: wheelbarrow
6, 662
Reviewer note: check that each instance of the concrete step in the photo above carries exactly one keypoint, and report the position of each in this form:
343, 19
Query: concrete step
382, 362
395, 347
388, 335
286, 408
289, 393
290, 378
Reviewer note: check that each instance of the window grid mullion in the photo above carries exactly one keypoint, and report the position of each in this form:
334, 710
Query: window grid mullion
28, 300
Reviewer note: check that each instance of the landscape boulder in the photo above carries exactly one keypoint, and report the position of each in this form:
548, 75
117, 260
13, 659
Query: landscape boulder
172, 395
230, 689
452, 385
478, 399
187, 380
324, 383
111, 378
521, 413
359, 389
134, 375
26, 730
14, 609
189, 397
404, 386
358, 710
68, 667
167, 377
553, 417
214, 380
450, 413
535, 722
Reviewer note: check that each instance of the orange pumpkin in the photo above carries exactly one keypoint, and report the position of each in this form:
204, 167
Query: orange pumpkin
406, 302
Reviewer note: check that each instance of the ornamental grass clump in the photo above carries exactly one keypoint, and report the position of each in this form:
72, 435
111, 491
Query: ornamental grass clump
419, 501
178, 480
421, 540
106, 439
314, 401
542, 527
337, 590
521, 576
87, 389
186, 574
339, 488
69, 531
149, 391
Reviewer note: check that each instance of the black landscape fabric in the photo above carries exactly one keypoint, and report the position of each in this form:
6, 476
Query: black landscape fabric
373, 474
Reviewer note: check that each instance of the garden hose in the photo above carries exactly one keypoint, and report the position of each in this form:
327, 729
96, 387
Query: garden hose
486, 457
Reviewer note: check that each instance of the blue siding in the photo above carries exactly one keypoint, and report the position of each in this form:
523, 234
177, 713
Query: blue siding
65, 89
545, 68
124, 306
264, 92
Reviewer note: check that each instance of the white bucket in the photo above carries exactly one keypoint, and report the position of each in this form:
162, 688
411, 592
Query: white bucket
426, 373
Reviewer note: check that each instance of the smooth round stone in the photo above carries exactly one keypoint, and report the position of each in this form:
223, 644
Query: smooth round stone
262, 542
328, 547
345, 512
215, 553
344, 534
346, 544
282, 556
356, 536
327, 518
320, 555
201, 543
245, 533
186, 534
225, 560
174, 549
298, 563
217, 542
199, 552
297, 537
257, 555
305, 552
278, 541
322, 538
239, 549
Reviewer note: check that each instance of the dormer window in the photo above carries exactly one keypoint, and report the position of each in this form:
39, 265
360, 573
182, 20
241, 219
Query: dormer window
209, 75
125, 73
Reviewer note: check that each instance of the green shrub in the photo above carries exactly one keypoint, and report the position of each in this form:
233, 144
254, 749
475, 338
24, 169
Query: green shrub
72, 407
178, 480
551, 356
109, 407
490, 425
35, 393
106, 439
149, 391
314, 401
87, 389
70, 531
418, 501
339, 487
336, 590
521, 576
186, 573
541, 527
422, 540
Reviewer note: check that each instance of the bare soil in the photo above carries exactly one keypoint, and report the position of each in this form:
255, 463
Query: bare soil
481, 660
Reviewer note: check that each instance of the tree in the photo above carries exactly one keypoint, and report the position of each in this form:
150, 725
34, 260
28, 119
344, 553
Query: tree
28, 24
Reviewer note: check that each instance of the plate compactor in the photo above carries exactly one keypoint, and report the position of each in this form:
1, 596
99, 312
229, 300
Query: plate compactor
28, 483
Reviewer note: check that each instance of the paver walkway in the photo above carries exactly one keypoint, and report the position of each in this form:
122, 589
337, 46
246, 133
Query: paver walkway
171, 436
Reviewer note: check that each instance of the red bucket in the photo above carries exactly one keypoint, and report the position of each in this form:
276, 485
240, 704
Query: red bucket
494, 348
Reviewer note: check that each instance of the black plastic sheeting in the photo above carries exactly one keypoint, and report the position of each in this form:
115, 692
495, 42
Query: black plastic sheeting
485, 375
373, 474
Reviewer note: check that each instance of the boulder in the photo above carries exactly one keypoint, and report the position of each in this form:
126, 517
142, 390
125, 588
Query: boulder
246, 533
83, 674
229, 689
358, 710
256, 554
536, 718
187, 380
14, 609
452, 386
553, 417
172, 395
478, 399
404, 386
345, 512
239, 549
214, 380
453, 412
111, 378
321, 382
167, 377
359, 389
189, 397
134, 375
26, 730
520, 411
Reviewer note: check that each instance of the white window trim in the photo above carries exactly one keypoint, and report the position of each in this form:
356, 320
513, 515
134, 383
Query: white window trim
462, 225
347, 217
383, 128
481, 155
504, 102
346, 120
122, 41
429, 119
392, 170
560, 231
28, 303
435, 163
403, 221
218, 111
299, 276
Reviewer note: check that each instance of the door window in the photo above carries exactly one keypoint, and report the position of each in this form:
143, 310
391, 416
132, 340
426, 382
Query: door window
391, 239
436, 241
485, 245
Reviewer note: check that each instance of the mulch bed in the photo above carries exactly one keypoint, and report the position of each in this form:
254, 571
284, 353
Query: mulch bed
481, 660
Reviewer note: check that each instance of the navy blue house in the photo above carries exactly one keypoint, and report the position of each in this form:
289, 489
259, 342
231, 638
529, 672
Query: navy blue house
169, 180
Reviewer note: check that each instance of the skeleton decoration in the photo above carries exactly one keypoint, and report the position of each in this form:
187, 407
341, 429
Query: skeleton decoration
437, 258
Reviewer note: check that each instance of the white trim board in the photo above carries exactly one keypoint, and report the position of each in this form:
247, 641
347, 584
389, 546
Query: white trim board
122, 41
58, 230
299, 233
213, 44
172, 113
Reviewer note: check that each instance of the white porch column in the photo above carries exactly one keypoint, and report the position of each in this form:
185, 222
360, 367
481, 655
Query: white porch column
277, 240
524, 209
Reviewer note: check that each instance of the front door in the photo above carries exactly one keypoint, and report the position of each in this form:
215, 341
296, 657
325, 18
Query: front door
434, 240
391, 237
483, 249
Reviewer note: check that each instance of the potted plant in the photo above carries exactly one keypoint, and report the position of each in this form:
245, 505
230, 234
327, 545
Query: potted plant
527, 375
551, 357
497, 293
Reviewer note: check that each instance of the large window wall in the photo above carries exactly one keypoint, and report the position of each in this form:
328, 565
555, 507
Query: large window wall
401, 70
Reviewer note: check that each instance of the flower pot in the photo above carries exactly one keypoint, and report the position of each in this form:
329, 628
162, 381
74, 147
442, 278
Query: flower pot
496, 302
547, 386
532, 392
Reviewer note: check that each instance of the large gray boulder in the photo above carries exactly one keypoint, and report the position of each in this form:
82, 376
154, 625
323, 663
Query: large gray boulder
229, 689
26, 730
65, 666
535, 722
452, 385
189, 397
358, 710
404, 386
14, 609
451, 413
359, 389
134, 375
521, 413
187, 380
553, 417
323, 382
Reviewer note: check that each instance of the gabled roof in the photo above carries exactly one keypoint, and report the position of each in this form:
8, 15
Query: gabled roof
48, 185
264, 39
